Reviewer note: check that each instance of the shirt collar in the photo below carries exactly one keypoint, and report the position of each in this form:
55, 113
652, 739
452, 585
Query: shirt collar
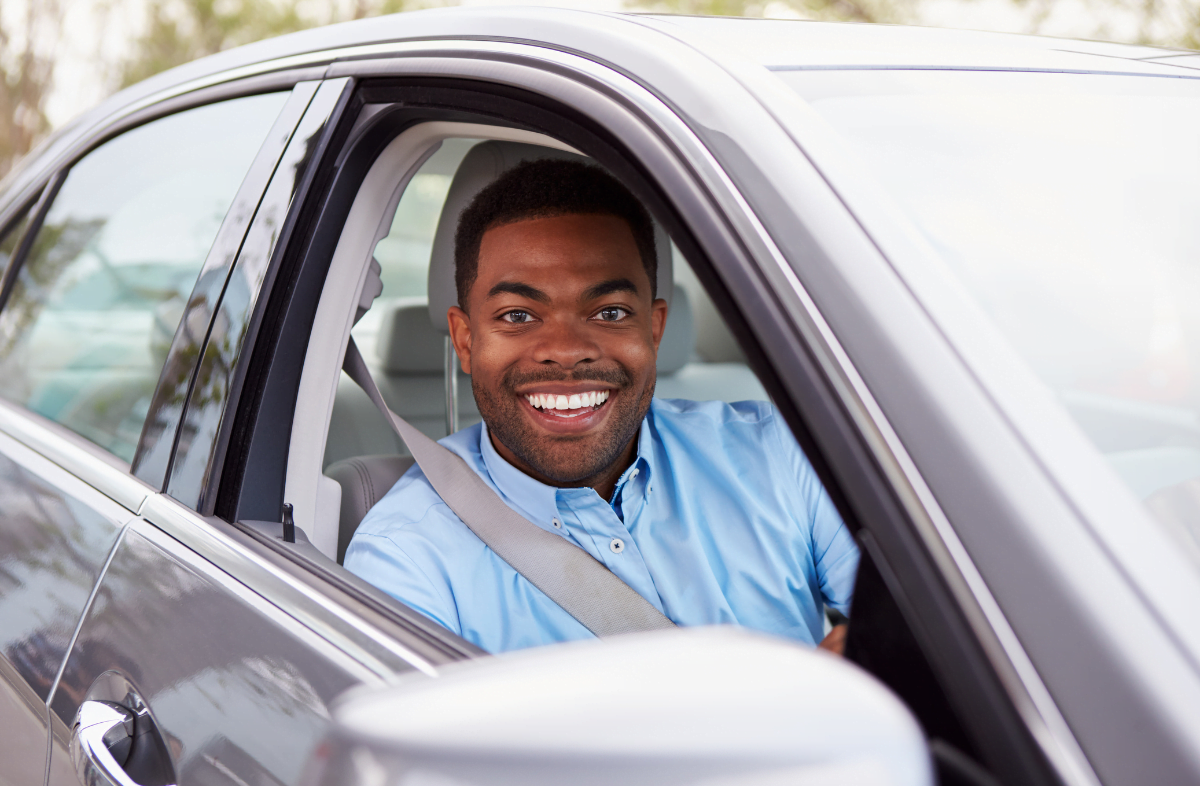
528, 494
642, 467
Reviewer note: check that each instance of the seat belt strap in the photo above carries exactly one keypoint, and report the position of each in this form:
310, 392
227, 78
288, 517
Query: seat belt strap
567, 574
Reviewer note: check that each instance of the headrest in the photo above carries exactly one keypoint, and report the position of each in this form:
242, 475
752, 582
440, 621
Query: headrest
484, 163
675, 349
407, 343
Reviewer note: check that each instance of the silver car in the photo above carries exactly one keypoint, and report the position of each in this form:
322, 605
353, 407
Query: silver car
964, 266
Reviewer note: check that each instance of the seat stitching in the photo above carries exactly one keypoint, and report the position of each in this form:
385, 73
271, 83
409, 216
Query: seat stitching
364, 484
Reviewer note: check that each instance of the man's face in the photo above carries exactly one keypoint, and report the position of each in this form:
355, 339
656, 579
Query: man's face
560, 337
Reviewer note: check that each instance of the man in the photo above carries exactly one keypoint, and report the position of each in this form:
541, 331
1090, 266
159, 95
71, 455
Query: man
709, 511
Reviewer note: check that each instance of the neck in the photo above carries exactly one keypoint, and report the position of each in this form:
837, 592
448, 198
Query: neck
603, 482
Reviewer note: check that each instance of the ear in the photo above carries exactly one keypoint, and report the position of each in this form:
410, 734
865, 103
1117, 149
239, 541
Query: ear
460, 336
658, 320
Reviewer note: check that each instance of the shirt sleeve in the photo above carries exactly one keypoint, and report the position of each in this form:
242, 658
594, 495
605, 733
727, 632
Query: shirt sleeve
378, 560
834, 552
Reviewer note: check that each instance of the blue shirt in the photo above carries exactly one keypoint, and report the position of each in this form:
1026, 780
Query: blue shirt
720, 520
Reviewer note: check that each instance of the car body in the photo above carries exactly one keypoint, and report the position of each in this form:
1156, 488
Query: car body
1025, 606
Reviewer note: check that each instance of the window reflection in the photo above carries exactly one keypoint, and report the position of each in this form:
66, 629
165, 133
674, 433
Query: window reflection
96, 304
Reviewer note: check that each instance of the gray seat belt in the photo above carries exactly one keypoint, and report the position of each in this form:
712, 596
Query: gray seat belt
567, 574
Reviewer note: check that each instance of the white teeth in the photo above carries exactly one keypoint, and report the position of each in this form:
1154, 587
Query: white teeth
548, 401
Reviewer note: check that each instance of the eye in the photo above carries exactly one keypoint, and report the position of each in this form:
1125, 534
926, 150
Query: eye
612, 314
516, 317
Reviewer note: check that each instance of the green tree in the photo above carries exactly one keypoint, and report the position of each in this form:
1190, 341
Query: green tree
179, 31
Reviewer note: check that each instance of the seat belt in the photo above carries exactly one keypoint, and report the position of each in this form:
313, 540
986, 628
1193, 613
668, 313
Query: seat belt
567, 574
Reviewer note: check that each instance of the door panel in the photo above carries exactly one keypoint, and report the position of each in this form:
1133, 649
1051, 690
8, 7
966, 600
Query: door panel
239, 689
55, 534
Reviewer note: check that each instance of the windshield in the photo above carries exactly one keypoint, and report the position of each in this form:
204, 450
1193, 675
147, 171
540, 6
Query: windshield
1069, 207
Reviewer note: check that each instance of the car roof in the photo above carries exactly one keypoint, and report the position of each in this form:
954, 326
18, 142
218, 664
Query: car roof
776, 44
800, 44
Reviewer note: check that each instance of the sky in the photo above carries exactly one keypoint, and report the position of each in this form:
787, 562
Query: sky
96, 31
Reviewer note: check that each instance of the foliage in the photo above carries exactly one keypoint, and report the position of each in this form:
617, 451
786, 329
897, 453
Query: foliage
179, 31
26, 71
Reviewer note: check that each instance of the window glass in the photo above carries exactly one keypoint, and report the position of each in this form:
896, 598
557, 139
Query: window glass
1066, 205
95, 306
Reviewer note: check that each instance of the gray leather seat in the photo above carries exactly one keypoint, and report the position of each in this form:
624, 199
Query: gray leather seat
364, 481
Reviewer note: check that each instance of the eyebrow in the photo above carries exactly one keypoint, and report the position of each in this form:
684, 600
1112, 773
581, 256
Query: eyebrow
520, 290
609, 287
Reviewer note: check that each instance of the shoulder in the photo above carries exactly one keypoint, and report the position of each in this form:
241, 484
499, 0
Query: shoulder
749, 430
412, 508
713, 417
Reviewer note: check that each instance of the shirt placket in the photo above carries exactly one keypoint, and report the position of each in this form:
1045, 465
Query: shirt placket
594, 526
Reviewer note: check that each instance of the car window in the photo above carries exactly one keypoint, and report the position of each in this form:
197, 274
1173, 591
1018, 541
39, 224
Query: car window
699, 359
1065, 205
91, 316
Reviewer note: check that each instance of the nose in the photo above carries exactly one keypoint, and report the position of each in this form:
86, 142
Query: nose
566, 343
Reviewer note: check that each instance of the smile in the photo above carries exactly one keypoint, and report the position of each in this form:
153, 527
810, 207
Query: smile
570, 406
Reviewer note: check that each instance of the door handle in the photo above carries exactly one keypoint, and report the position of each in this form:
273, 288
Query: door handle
101, 742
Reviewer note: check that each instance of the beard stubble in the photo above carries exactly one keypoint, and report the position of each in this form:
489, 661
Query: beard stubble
566, 460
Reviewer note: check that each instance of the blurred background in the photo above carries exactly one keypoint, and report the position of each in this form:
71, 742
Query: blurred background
60, 57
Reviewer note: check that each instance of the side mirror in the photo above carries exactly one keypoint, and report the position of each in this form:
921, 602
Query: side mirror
711, 706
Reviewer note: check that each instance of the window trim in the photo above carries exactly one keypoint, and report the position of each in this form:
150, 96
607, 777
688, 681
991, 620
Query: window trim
41, 206
203, 301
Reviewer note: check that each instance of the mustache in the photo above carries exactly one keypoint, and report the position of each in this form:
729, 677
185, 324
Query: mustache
618, 376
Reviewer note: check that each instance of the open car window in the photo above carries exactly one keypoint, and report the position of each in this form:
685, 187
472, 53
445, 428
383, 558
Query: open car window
698, 360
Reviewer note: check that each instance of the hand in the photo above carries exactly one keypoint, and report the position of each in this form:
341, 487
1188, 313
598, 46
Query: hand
835, 642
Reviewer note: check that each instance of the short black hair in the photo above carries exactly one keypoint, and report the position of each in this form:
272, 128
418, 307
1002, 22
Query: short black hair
548, 188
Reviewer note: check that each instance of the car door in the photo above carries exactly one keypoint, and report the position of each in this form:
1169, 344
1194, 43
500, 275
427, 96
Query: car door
99, 267
216, 636
103, 268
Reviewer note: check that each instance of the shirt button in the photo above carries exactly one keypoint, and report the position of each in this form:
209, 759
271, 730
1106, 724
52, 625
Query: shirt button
634, 473
617, 546
557, 524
